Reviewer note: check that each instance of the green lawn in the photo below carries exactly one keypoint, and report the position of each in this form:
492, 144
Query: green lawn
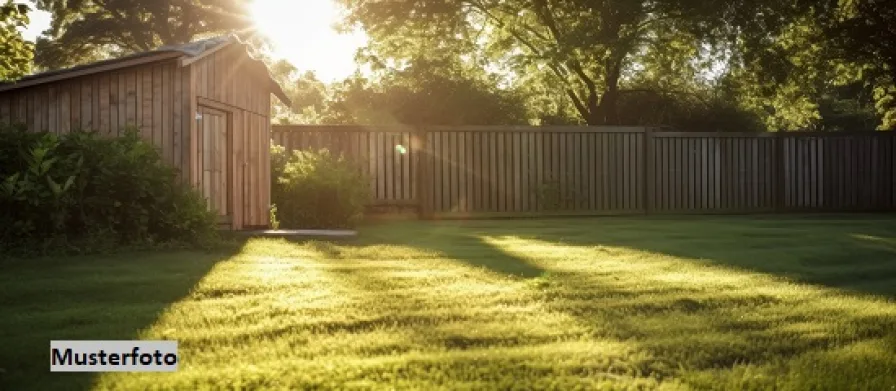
690, 303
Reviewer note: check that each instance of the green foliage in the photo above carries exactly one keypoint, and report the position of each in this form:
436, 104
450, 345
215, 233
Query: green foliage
83, 193
589, 52
317, 189
15, 51
87, 30
423, 100
687, 112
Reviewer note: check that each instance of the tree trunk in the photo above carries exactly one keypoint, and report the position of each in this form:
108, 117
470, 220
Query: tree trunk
609, 101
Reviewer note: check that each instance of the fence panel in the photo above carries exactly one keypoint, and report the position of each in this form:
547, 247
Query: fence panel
382, 153
479, 171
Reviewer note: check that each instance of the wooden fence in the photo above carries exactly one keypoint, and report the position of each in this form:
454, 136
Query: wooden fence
463, 171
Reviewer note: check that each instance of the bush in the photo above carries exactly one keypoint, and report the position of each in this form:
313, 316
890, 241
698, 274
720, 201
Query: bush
317, 189
84, 193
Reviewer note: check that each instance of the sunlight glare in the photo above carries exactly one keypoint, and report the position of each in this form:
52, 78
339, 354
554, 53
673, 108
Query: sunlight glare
303, 33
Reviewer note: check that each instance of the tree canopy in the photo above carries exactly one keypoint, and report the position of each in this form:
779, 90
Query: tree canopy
788, 63
86, 30
720, 65
15, 51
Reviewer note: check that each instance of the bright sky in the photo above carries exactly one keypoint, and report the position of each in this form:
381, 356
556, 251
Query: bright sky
302, 32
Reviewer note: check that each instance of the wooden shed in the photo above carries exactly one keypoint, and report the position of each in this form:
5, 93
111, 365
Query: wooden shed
205, 104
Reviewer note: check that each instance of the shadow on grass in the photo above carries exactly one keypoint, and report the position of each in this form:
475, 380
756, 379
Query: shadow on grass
106, 297
456, 242
701, 329
855, 253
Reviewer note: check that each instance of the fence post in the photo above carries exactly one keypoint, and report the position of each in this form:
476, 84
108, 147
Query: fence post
420, 148
649, 174
780, 174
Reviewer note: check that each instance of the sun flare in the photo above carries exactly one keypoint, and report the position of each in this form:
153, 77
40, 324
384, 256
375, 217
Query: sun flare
303, 32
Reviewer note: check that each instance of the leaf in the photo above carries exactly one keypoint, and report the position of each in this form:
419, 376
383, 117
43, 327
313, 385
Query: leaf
54, 187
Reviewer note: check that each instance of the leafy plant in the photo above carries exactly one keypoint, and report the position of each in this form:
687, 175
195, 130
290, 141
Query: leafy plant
317, 190
84, 193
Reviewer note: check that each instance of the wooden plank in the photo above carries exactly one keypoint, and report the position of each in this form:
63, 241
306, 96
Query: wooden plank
74, 108
627, 170
460, 162
501, 174
5, 109
35, 109
64, 104
252, 168
690, 174
132, 96
122, 121
221, 166
157, 115
237, 165
177, 121
19, 108
52, 108
474, 186
192, 141
444, 174
265, 171
97, 103
112, 105
388, 156
475, 149
146, 107
87, 105
166, 102
213, 80
202, 132
648, 171
380, 168
525, 156
453, 151
554, 158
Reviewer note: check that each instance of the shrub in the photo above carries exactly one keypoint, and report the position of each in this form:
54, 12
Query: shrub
317, 189
86, 193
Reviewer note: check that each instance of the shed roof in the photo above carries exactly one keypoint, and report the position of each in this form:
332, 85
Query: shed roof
187, 53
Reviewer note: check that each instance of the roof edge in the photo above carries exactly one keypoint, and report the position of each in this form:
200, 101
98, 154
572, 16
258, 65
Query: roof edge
89, 69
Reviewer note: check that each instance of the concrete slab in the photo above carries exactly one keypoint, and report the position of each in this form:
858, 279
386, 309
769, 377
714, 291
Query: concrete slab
299, 234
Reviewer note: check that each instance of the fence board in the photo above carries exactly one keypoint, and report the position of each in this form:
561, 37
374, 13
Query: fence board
523, 170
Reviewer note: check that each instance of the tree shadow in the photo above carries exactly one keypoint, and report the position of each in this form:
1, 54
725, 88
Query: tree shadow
457, 240
855, 253
690, 331
107, 297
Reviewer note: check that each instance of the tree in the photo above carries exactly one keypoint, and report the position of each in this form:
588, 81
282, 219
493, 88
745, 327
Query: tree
864, 33
15, 51
428, 92
591, 49
87, 30
305, 91
825, 68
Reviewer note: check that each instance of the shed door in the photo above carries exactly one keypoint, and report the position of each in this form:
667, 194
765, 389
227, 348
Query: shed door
214, 158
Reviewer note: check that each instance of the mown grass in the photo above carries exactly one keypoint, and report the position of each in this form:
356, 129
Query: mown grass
624, 303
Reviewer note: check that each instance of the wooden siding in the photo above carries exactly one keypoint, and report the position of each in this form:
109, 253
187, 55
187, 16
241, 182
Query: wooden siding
162, 100
142, 96
226, 80
228, 77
